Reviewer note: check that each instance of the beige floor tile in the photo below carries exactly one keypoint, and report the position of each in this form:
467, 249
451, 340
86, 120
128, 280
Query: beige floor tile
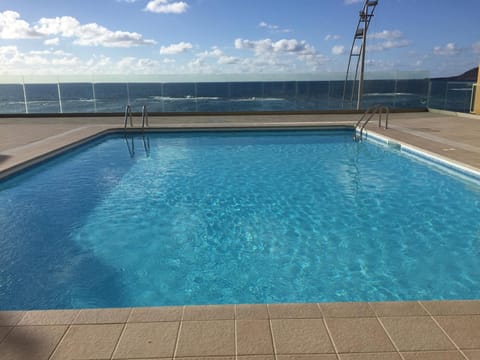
102, 316
398, 308
433, 355
294, 311
88, 342
301, 336
371, 356
153, 314
4, 330
48, 317
255, 357
208, 358
210, 312
10, 318
147, 340
308, 357
359, 335
251, 312
464, 307
31, 342
416, 334
472, 354
346, 310
254, 337
206, 338
464, 330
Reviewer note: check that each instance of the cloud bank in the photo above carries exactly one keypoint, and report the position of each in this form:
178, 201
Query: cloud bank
91, 34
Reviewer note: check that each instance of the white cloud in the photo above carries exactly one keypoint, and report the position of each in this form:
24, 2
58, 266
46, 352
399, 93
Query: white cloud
13, 61
175, 49
216, 54
52, 42
228, 60
388, 45
332, 37
12, 27
476, 47
338, 50
273, 28
92, 34
281, 55
41, 62
350, 2
166, 7
387, 40
447, 50
386, 35
281, 46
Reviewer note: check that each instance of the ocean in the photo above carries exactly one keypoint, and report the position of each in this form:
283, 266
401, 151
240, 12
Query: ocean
235, 96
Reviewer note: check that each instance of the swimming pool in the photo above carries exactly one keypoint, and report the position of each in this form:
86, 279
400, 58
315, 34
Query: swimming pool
236, 217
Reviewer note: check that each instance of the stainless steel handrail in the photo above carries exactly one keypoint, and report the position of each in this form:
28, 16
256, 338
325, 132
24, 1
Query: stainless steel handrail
371, 112
144, 117
128, 114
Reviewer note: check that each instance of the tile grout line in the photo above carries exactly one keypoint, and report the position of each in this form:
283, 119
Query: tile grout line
129, 315
275, 352
330, 336
60, 341
119, 339
389, 337
179, 331
235, 330
386, 331
442, 329
13, 326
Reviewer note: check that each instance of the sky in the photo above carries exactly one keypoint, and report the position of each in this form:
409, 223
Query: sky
60, 37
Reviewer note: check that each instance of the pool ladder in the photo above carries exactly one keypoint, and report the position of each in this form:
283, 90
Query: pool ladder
129, 116
367, 116
145, 137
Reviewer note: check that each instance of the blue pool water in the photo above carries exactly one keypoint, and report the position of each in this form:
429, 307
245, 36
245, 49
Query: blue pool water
248, 217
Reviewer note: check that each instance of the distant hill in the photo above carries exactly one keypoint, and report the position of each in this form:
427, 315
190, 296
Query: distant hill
470, 75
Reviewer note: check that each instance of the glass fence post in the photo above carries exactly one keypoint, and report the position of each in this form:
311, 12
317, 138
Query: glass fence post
24, 95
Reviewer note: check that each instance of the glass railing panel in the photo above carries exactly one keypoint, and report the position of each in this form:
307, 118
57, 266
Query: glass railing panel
219, 93
280, 96
247, 96
12, 100
312, 95
336, 98
179, 97
379, 92
213, 97
148, 94
110, 97
411, 94
42, 98
458, 96
77, 97
437, 94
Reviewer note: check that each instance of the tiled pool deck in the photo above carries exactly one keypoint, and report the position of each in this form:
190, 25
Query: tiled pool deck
423, 330
326, 331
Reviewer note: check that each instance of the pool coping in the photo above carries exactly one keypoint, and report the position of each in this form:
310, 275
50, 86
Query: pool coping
419, 330
444, 163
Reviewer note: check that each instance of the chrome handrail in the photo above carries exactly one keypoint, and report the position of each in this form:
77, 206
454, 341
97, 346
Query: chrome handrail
144, 117
371, 112
128, 114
